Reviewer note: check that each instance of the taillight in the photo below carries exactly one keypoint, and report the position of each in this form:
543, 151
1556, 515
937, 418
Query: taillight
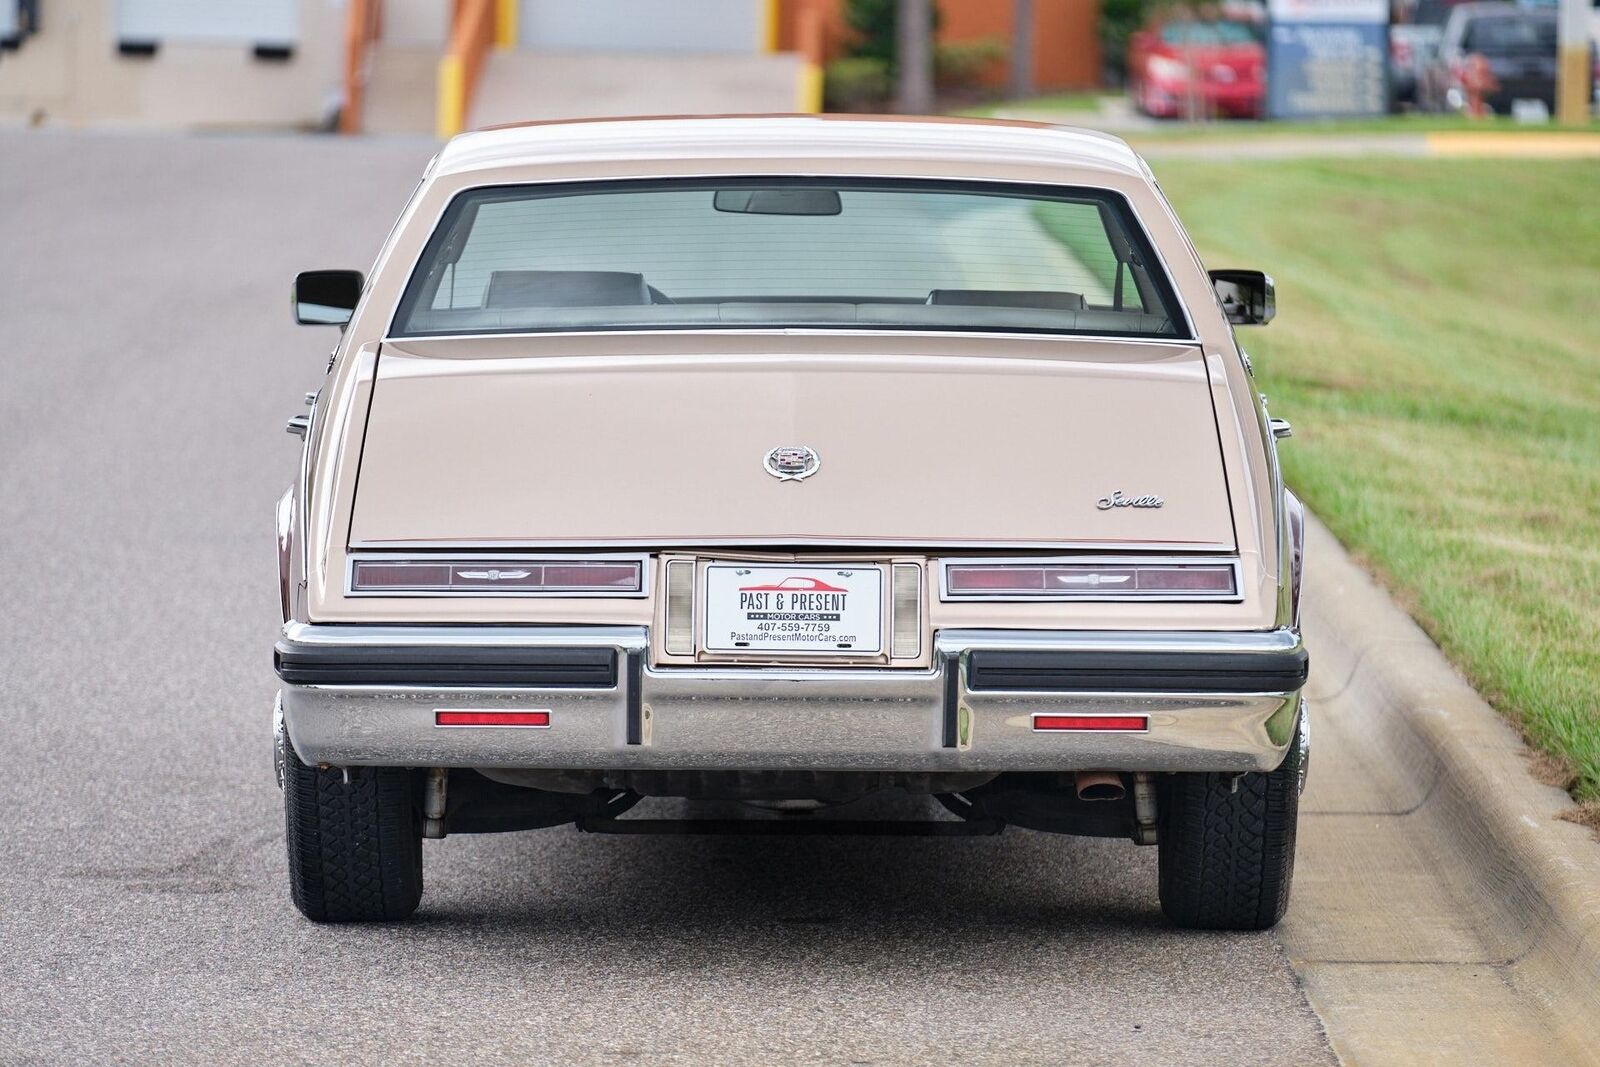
497, 576
1091, 580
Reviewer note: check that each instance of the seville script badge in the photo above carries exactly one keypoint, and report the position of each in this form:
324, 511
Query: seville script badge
792, 463
1118, 500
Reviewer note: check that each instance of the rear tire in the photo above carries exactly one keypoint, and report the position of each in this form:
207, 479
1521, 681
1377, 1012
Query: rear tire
355, 847
1226, 852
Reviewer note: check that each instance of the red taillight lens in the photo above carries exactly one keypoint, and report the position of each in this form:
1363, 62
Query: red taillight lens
491, 718
498, 577
987, 579
1091, 722
1090, 581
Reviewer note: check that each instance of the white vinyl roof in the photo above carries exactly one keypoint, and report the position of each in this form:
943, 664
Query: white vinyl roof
801, 142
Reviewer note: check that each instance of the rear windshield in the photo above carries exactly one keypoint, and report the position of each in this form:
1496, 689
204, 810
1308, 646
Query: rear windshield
1208, 34
1512, 33
788, 253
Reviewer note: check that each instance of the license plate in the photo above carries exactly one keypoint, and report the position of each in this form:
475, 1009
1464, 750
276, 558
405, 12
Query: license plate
761, 608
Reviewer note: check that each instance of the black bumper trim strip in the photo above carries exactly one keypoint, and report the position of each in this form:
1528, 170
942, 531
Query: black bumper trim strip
952, 699
1161, 672
635, 697
448, 667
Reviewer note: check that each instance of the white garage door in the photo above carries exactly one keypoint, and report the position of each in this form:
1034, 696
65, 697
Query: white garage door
222, 21
642, 25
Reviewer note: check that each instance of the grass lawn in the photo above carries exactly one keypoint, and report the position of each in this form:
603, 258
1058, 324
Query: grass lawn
1438, 351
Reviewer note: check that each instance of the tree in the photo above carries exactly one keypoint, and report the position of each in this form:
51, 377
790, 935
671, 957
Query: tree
1119, 20
874, 29
1022, 49
915, 24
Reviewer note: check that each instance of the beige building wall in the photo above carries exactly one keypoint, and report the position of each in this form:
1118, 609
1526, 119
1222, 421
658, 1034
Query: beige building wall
416, 23
70, 73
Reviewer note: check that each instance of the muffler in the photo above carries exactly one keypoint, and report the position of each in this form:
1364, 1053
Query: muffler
1100, 785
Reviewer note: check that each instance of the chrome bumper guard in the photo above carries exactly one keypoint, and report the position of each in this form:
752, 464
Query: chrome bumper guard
369, 695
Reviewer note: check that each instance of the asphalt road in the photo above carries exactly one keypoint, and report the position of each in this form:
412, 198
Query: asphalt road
147, 362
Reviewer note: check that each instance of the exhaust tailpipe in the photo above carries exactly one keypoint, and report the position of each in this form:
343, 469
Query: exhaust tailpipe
1100, 785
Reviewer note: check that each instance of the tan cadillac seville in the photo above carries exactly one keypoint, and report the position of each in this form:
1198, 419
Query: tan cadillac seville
778, 462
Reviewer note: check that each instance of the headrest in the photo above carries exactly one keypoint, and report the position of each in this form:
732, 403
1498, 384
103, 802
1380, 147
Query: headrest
1009, 298
565, 289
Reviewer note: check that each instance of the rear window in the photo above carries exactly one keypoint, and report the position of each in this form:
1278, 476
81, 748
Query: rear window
1209, 34
1511, 33
788, 253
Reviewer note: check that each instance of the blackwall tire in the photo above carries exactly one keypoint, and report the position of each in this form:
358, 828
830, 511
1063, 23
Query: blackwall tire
1227, 847
355, 846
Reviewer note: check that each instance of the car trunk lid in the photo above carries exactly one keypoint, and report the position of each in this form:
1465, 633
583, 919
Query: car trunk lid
661, 441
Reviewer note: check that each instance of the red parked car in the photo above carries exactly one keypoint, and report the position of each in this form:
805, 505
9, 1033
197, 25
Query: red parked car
1201, 68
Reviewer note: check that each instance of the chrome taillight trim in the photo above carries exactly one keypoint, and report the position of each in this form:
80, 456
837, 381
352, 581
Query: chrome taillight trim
905, 611
1094, 595
678, 612
638, 590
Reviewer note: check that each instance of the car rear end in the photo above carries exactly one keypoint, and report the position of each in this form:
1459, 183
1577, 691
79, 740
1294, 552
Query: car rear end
982, 545
791, 488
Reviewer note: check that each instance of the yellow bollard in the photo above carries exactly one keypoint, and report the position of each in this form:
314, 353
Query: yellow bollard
505, 23
1573, 99
809, 90
452, 100
1572, 87
769, 26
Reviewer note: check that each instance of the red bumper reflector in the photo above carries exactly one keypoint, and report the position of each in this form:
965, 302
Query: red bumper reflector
491, 718
1091, 722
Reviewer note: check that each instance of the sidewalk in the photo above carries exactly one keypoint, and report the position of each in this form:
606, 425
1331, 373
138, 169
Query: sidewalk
1243, 139
1444, 912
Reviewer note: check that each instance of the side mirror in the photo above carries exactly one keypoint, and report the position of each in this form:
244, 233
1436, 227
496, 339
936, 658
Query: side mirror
326, 297
1247, 296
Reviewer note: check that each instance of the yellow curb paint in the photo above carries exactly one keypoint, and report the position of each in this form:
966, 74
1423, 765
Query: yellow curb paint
1524, 145
452, 97
808, 91
505, 23
769, 26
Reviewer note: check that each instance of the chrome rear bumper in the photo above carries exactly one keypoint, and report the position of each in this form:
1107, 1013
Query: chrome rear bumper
346, 701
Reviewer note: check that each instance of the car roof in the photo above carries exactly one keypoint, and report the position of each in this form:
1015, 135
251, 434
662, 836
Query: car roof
810, 140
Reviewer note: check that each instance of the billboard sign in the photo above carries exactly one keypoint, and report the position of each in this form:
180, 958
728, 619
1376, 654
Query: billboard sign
1327, 58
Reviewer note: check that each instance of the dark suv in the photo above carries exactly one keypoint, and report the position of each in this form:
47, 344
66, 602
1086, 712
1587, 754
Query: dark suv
1519, 44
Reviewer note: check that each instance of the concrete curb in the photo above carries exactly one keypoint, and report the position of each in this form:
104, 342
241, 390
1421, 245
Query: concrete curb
1448, 764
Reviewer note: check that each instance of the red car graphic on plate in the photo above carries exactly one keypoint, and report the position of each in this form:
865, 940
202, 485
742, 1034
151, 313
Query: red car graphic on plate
794, 585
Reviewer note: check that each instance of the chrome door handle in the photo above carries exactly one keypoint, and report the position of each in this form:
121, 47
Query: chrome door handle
1280, 428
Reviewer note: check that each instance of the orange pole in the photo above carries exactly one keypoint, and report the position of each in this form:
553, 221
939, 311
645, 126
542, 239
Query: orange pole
472, 34
363, 20
809, 36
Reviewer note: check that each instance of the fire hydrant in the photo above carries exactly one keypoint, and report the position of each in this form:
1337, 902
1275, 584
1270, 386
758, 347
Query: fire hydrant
1477, 81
